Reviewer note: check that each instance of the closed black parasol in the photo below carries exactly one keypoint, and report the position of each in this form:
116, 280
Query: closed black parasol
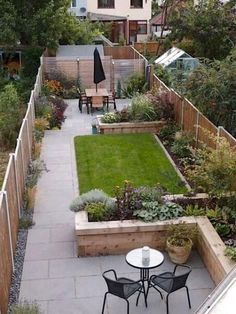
98, 74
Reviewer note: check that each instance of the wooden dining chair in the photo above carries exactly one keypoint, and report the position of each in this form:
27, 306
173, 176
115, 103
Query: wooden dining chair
96, 102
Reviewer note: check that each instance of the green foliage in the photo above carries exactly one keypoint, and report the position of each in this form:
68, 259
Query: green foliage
194, 210
31, 62
215, 169
8, 23
25, 223
167, 133
179, 234
209, 25
142, 109
35, 169
181, 145
136, 83
212, 88
231, 253
223, 230
25, 308
152, 211
96, 211
155, 7
163, 74
10, 114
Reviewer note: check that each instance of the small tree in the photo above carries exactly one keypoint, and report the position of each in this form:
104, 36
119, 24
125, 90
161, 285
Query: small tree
9, 116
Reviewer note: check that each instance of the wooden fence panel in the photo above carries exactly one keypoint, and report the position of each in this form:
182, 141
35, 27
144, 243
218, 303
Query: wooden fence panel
85, 71
123, 69
9, 186
149, 48
5, 258
206, 125
177, 102
190, 118
121, 52
20, 171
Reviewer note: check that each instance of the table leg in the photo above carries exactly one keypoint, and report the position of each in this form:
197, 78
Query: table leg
144, 276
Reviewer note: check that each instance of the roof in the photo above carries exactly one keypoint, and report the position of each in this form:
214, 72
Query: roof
105, 17
78, 51
170, 56
157, 19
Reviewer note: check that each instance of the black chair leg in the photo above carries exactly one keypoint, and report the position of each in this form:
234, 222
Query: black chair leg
189, 303
158, 291
167, 303
127, 306
104, 302
114, 106
138, 297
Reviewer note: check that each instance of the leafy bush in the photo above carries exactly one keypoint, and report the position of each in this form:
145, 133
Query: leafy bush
152, 211
178, 234
231, 253
223, 229
35, 169
93, 196
161, 103
215, 169
43, 107
25, 308
25, 223
163, 74
96, 211
111, 117
135, 84
181, 145
167, 133
194, 210
40, 125
58, 108
10, 116
142, 109
52, 87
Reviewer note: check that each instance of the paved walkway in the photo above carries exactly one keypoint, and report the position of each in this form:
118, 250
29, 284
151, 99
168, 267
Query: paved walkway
53, 276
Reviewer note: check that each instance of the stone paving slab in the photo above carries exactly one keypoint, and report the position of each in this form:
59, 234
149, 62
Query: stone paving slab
53, 276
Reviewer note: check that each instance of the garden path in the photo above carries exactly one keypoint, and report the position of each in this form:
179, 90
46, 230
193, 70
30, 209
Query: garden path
53, 276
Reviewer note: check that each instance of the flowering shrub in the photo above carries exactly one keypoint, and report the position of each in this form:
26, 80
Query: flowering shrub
110, 118
53, 87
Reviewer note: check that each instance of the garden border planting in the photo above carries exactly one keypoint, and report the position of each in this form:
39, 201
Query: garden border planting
129, 127
118, 237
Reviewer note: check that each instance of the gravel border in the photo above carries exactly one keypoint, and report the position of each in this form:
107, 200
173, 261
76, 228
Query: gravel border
19, 260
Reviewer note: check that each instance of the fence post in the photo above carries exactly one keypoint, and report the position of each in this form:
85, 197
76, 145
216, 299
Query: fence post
197, 129
16, 182
9, 229
28, 136
22, 157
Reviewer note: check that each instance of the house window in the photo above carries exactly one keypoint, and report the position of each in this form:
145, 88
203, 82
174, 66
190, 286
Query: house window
135, 28
141, 27
136, 3
106, 4
73, 3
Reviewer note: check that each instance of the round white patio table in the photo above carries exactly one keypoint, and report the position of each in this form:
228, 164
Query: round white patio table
134, 259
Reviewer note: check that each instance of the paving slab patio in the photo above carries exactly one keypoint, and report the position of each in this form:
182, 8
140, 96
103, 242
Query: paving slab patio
53, 276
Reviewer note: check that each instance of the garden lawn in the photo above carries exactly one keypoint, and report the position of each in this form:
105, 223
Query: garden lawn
105, 161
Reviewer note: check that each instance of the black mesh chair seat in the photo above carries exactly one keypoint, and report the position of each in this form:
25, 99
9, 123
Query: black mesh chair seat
163, 283
121, 287
129, 289
171, 281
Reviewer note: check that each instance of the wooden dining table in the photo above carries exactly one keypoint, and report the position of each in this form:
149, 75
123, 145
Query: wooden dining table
93, 93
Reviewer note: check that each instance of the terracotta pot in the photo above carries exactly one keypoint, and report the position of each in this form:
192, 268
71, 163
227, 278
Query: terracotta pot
179, 254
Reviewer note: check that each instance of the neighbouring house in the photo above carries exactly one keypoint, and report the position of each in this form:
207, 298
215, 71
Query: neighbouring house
176, 59
129, 18
157, 23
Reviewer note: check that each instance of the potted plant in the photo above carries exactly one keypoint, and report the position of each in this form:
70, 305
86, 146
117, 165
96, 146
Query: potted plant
180, 241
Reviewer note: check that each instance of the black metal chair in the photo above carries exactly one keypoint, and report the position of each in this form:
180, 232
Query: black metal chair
83, 100
120, 287
170, 282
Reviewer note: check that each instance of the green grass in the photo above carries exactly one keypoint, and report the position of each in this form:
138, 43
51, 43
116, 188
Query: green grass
105, 161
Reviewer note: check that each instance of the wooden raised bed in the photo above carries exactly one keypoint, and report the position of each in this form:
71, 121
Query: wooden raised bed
129, 127
118, 237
